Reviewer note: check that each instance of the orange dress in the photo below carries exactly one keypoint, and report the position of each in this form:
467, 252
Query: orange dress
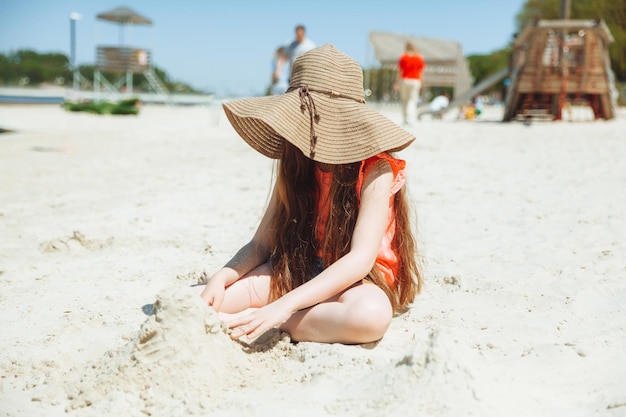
386, 260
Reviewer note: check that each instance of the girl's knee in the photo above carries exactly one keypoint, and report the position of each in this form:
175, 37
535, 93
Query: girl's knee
378, 316
372, 319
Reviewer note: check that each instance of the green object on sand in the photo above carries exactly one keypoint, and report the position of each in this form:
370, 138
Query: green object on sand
124, 107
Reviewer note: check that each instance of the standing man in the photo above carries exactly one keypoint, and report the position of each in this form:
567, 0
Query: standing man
409, 81
296, 48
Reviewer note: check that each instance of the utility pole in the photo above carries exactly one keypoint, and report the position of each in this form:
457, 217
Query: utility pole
566, 6
73, 18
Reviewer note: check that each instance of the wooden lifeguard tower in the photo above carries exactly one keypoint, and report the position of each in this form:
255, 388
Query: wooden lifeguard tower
559, 63
123, 60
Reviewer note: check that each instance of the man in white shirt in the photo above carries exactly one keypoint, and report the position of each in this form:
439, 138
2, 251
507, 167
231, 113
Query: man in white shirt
439, 103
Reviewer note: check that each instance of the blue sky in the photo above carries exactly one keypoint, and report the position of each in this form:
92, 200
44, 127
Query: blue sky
226, 46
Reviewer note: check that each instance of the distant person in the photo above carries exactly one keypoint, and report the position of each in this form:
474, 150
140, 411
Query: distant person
479, 104
409, 81
280, 84
296, 48
334, 256
469, 111
439, 103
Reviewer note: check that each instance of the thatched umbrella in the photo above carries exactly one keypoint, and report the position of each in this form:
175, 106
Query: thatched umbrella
124, 16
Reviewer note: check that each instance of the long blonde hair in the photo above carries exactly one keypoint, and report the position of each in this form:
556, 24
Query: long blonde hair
294, 225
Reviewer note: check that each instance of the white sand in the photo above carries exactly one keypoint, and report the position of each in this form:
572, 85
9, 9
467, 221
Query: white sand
523, 230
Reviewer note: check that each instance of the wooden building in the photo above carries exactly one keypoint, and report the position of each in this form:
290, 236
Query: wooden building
559, 63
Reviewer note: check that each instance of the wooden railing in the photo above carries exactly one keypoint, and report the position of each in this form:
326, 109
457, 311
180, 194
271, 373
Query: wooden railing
118, 59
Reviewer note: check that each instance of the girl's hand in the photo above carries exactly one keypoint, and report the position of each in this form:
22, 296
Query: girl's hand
259, 321
213, 293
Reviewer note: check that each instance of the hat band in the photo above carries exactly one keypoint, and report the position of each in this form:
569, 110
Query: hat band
307, 103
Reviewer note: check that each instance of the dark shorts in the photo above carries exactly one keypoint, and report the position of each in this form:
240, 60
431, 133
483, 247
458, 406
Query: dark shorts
318, 267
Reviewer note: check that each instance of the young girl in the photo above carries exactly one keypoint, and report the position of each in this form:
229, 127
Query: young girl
333, 257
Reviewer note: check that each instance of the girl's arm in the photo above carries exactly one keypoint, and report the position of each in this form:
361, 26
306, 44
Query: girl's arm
248, 257
355, 265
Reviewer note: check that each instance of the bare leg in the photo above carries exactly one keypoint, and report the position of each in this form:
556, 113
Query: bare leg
250, 291
404, 99
360, 314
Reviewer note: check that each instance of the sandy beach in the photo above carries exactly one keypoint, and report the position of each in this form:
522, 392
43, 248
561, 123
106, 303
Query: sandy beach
105, 221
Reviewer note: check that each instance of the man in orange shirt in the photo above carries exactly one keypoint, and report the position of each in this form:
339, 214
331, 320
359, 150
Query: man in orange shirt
409, 81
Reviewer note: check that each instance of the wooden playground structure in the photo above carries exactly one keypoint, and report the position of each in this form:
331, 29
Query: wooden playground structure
556, 64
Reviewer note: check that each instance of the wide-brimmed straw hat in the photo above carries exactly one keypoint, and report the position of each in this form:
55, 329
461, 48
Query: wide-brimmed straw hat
323, 113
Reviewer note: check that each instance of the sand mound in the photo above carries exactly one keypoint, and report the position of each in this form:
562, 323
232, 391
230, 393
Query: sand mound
182, 355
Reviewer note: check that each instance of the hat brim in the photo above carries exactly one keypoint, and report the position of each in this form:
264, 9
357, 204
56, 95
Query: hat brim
347, 131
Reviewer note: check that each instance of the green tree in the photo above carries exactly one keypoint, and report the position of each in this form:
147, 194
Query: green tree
482, 66
34, 67
8, 70
380, 82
